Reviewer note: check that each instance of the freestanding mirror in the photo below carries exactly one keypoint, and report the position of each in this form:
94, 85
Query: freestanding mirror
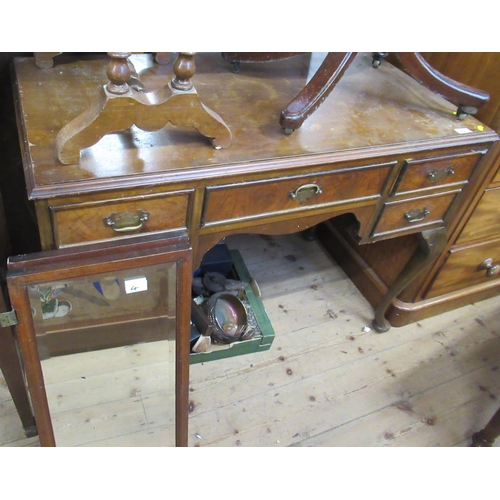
104, 341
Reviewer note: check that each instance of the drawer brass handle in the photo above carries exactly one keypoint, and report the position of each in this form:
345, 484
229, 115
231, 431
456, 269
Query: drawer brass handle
305, 192
440, 173
126, 222
487, 265
417, 215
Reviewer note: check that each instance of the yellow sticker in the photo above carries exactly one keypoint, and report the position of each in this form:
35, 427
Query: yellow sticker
480, 128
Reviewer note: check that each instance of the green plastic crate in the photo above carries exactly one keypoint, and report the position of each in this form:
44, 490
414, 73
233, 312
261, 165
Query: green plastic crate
262, 340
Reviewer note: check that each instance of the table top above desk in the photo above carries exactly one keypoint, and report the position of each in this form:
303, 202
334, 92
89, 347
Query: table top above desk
370, 113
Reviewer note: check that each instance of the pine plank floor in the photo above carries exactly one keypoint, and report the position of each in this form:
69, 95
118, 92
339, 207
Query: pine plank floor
328, 380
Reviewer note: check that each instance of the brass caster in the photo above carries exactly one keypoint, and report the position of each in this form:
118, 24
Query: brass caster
212, 141
464, 111
378, 57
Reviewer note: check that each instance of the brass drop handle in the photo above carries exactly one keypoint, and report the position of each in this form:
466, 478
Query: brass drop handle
126, 222
440, 173
487, 265
417, 215
305, 192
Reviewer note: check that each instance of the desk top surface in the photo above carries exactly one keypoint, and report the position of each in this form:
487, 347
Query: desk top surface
371, 112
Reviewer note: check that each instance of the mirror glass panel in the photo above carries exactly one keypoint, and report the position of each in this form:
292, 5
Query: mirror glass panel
107, 349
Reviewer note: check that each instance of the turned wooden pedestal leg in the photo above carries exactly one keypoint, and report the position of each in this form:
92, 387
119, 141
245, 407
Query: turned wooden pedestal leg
119, 106
316, 90
468, 99
431, 244
487, 436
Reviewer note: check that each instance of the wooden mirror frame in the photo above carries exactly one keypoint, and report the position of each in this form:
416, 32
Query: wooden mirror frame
24, 271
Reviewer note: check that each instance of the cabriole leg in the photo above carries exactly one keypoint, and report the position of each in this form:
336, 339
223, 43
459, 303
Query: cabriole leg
431, 244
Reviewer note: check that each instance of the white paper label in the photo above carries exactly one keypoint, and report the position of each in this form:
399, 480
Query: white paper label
134, 285
463, 131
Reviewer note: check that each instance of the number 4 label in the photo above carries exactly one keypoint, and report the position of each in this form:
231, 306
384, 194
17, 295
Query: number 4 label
135, 285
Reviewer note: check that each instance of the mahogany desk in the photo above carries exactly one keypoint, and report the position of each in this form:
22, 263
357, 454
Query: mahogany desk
381, 148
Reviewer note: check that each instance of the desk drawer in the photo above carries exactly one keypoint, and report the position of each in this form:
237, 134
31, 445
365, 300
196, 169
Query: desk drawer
416, 212
249, 200
102, 220
428, 173
466, 267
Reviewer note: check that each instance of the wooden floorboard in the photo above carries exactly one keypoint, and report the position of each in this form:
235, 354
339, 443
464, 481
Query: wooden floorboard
327, 381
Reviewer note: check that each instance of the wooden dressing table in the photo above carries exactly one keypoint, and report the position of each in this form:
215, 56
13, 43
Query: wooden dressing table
382, 149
